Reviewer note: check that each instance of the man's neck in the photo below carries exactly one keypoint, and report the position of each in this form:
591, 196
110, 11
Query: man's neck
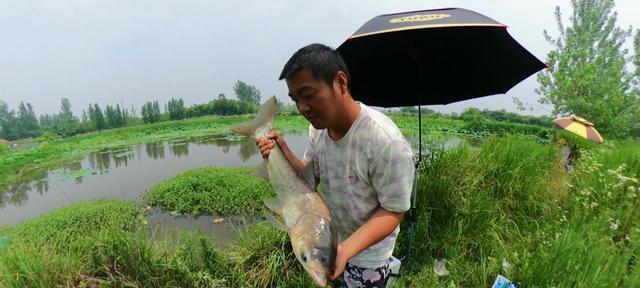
348, 116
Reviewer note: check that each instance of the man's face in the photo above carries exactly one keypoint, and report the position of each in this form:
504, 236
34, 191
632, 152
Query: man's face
315, 100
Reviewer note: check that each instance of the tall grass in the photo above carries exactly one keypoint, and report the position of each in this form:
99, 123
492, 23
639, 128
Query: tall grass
511, 201
100, 252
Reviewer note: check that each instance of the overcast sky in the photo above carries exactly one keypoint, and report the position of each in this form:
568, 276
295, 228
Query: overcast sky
131, 52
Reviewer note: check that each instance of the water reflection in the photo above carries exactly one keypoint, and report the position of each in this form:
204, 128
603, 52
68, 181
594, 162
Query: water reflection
179, 149
154, 150
100, 160
122, 156
125, 173
162, 224
17, 193
69, 167
248, 148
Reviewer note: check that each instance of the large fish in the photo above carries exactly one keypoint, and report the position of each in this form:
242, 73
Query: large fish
306, 217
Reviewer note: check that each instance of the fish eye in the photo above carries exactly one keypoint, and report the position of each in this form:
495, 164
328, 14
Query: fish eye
304, 258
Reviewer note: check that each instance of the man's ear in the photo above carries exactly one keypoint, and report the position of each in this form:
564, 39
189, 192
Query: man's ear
343, 82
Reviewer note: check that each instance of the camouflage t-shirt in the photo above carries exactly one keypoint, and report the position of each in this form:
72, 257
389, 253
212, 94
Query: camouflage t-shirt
370, 167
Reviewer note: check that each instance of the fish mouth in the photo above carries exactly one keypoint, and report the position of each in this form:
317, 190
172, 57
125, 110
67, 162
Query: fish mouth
319, 278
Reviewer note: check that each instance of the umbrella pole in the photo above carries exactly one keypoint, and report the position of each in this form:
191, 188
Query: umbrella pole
413, 216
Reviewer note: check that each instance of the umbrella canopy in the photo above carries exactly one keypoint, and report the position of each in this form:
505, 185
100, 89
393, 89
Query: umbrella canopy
433, 57
580, 127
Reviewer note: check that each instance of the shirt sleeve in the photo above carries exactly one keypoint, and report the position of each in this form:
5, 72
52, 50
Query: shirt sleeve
310, 151
392, 176
310, 173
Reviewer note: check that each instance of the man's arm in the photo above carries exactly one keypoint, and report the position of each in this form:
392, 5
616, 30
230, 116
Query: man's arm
382, 223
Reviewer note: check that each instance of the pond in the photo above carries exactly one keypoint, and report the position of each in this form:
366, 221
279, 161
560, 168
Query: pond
126, 173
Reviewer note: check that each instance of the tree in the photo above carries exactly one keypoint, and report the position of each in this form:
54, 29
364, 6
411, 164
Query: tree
27, 123
66, 116
65, 123
635, 130
175, 108
246, 92
97, 117
473, 118
221, 96
7, 122
587, 74
151, 112
116, 117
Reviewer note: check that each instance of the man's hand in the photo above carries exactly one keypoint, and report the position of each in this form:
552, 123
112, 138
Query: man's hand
265, 145
380, 225
341, 263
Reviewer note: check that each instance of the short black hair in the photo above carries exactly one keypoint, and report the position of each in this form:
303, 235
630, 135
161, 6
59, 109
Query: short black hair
323, 61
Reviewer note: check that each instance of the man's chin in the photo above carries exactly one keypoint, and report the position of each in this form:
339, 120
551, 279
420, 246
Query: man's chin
316, 124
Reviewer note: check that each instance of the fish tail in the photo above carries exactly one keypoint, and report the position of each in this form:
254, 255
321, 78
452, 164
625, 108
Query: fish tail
262, 124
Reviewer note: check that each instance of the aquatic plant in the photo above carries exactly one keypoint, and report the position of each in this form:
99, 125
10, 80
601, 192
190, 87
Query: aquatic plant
212, 190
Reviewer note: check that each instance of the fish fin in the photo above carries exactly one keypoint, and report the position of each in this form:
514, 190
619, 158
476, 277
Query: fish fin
262, 124
263, 170
274, 205
275, 222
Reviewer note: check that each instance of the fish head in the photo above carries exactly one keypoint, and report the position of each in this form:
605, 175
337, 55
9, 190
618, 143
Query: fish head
315, 243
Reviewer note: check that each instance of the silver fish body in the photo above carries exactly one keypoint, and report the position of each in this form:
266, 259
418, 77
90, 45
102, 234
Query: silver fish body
306, 217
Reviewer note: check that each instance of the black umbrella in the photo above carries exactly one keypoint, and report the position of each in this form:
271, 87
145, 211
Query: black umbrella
433, 57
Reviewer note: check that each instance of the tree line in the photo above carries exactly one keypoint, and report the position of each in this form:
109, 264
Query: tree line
23, 122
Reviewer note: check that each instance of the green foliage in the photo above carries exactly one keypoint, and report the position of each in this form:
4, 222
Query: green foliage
77, 220
116, 117
175, 108
151, 112
96, 117
587, 74
17, 125
246, 92
264, 258
510, 199
470, 202
114, 257
64, 123
27, 124
473, 119
212, 190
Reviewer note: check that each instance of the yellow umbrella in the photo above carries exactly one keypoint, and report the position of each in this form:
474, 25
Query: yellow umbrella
579, 126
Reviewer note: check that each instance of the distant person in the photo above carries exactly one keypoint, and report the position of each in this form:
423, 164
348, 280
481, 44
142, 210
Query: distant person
361, 159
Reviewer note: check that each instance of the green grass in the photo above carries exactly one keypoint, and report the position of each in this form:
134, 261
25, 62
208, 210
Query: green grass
212, 190
76, 221
112, 255
511, 200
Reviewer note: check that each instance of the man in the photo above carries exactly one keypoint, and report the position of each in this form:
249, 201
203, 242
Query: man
361, 160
